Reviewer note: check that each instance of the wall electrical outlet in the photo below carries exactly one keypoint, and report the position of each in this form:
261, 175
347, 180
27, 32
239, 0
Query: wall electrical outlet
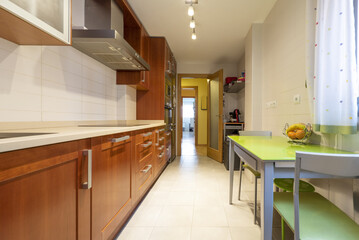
271, 104
296, 99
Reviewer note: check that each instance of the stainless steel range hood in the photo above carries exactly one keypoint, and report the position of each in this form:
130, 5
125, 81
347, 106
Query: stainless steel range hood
97, 31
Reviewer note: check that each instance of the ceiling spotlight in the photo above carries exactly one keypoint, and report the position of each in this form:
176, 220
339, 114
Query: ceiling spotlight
190, 11
192, 24
194, 36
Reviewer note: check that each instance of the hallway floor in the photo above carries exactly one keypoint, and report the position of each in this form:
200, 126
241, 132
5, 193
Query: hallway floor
188, 145
190, 202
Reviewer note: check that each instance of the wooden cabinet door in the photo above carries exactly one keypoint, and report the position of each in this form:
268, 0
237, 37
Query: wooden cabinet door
39, 190
111, 190
36, 23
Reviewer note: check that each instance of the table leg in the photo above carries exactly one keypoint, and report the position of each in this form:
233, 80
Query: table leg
231, 170
267, 175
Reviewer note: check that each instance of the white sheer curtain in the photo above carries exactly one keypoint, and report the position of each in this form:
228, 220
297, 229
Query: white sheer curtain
331, 65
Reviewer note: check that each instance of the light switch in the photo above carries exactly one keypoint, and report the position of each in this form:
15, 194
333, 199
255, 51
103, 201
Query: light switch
296, 99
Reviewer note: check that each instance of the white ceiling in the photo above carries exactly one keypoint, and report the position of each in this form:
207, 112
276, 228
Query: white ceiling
221, 26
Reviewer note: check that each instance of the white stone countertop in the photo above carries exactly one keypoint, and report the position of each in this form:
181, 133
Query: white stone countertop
64, 132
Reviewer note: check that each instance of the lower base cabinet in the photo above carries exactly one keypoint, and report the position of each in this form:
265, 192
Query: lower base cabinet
40, 191
111, 179
78, 190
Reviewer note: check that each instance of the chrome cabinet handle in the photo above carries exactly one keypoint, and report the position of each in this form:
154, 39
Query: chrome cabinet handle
120, 139
146, 169
147, 145
147, 134
161, 130
88, 155
168, 133
161, 139
161, 148
143, 80
158, 137
160, 155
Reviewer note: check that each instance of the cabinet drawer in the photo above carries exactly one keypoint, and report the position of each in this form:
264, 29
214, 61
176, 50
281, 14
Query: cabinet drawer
114, 140
160, 157
142, 162
144, 136
143, 177
143, 150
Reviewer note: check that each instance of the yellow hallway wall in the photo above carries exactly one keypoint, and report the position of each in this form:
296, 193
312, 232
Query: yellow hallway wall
201, 83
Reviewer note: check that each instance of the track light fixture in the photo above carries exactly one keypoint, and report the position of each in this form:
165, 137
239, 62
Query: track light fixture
194, 36
190, 12
192, 24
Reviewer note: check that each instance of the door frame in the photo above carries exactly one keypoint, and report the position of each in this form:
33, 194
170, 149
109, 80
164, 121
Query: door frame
179, 108
179, 105
195, 114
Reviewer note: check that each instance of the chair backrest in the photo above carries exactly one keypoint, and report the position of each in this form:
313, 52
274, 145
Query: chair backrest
255, 133
341, 165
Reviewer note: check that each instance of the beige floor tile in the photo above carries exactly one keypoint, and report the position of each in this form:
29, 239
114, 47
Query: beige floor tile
209, 216
180, 198
176, 216
156, 198
239, 215
245, 233
162, 185
210, 233
135, 233
203, 198
184, 186
170, 233
190, 202
145, 216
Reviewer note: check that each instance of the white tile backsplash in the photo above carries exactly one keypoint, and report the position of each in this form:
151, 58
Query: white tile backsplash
59, 83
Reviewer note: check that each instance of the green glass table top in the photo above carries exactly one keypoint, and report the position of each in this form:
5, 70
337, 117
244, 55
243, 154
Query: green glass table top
278, 148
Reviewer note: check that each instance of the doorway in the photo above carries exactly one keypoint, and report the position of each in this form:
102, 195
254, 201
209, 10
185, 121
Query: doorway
209, 106
189, 129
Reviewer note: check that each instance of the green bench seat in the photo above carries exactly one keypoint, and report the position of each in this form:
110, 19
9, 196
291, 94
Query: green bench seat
319, 218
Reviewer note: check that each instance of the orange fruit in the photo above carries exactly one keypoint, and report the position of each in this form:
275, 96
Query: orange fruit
292, 135
300, 134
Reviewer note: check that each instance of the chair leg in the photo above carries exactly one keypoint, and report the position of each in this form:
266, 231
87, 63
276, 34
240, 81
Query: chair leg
255, 200
240, 178
283, 232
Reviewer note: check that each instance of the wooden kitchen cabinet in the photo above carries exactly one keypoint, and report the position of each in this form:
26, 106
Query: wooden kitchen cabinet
143, 166
160, 151
37, 23
61, 191
111, 190
150, 104
136, 35
41, 195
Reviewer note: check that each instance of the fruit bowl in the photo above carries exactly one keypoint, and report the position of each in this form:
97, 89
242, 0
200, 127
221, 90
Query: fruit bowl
298, 133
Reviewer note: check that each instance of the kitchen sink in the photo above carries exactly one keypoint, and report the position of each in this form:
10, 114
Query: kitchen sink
19, 134
113, 125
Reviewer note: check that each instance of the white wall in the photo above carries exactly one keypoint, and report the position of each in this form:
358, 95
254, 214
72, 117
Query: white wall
283, 65
229, 69
253, 84
50, 83
126, 103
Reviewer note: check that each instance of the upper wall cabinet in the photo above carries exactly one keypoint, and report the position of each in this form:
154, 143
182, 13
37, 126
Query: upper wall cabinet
36, 22
136, 35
